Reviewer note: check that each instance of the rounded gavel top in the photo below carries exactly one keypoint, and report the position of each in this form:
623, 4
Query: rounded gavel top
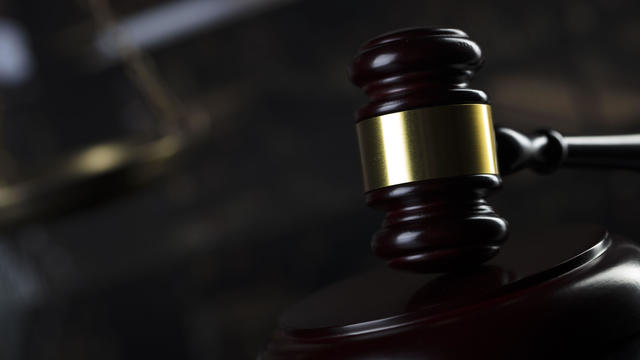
428, 150
414, 68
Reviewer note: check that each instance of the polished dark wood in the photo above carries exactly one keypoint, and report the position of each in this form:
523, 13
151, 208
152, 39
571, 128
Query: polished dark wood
564, 293
434, 225
438, 225
547, 150
415, 68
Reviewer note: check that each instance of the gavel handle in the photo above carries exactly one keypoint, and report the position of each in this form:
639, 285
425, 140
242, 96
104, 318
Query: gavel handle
547, 150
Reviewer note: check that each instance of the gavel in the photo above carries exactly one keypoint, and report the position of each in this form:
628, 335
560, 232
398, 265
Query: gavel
430, 155
430, 152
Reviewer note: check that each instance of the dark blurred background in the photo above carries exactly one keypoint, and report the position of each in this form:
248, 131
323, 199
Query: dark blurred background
173, 174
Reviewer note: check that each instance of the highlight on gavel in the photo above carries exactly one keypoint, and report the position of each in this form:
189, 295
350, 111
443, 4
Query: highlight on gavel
430, 155
430, 151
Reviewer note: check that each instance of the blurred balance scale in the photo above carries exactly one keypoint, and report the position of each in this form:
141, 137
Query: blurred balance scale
100, 171
40, 274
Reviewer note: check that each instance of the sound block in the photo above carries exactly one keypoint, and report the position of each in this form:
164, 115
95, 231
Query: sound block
570, 292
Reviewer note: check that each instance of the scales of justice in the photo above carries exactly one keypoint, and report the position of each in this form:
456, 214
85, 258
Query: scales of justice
457, 286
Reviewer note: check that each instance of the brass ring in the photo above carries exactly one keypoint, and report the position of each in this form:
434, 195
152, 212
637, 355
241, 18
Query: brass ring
428, 143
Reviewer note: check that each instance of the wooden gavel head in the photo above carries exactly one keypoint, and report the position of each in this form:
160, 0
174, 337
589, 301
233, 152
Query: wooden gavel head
428, 150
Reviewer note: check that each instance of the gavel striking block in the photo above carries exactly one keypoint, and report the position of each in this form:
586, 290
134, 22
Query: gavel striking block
430, 155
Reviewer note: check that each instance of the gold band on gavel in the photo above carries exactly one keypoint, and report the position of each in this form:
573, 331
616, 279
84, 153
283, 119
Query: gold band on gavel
428, 143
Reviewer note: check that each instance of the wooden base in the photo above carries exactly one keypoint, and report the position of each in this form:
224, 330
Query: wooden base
567, 292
